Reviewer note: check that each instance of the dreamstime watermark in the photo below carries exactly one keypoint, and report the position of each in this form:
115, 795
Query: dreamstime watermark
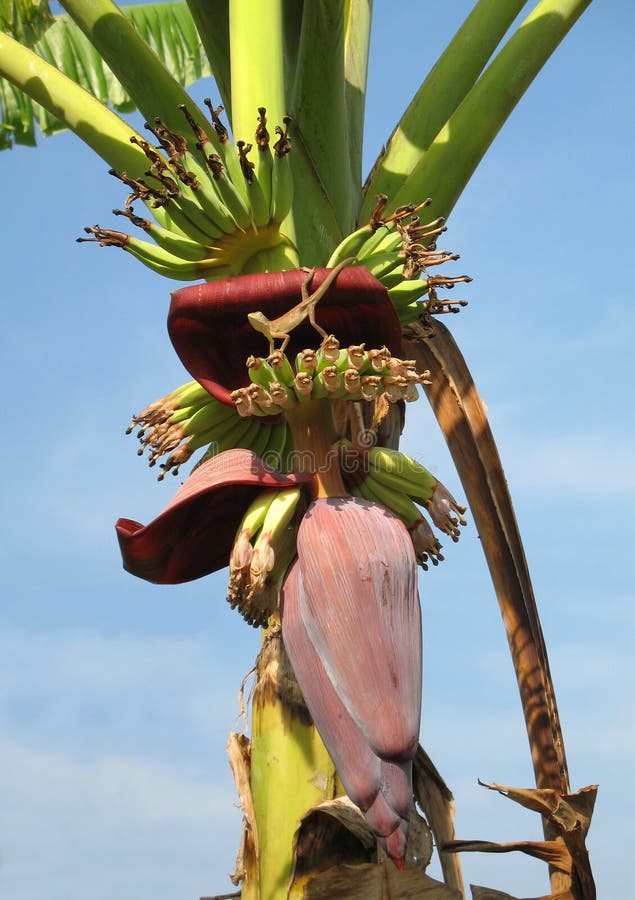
351, 459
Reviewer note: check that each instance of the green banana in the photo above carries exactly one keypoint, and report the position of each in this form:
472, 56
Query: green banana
372, 243
229, 194
388, 242
261, 371
281, 177
277, 441
189, 393
172, 214
395, 500
350, 246
156, 258
392, 279
194, 179
282, 367
303, 386
183, 413
169, 265
281, 395
253, 519
330, 354
306, 361
206, 210
261, 439
258, 201
328, 383
414, 478
410, 313
211, 415
265, 157
225, 151
380, 264
240, 434
176, 243
404, 293
280, 512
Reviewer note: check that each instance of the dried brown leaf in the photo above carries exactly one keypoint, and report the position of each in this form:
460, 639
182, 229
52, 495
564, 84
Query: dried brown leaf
569, 812
570, 817
239, 754
462, 417
376, 882
436, 800
552, 852
336, 855
482, 893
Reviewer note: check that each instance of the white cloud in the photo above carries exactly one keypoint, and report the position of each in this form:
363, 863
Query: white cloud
112, 829
113, 775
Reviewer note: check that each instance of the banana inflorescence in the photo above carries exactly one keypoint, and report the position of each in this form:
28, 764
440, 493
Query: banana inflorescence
189, 419
217, 211
398, 249
212, 217
330, 372
399, 483
265, 545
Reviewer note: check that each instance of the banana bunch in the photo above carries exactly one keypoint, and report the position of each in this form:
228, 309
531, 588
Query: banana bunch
213, 212
189, 418
263, 549
399, 483
330, 372
397, 250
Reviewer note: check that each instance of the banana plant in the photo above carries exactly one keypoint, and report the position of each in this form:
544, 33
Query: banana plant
314, 319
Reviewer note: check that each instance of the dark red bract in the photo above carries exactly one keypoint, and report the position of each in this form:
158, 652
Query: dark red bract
193, 536
210, 332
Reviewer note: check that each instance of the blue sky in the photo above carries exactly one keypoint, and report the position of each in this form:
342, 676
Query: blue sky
116, 697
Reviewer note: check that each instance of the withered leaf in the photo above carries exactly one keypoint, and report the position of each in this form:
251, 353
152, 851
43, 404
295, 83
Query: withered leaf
552, 852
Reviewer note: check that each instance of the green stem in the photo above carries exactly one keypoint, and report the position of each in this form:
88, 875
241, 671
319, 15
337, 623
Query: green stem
449, 80
357, 22
211, 18
290, 769
447, 166
257, 75
103, 130
256, 41
154, 90
320, 76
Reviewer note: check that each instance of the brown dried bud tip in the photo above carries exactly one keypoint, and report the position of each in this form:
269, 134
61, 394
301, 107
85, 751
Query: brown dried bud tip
246, 164
129, 213
201, 138
376, 216
262, 135
426, 546
105, 237
140, 189
215, 164
283, 144
219, 128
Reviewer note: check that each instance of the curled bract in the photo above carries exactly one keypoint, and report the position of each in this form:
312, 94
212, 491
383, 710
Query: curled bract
210, 331
194, 534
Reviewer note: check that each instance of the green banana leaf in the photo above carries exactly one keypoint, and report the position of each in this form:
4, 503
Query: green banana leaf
167, 27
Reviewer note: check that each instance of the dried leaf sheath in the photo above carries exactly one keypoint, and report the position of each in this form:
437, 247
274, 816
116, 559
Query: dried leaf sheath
461, 414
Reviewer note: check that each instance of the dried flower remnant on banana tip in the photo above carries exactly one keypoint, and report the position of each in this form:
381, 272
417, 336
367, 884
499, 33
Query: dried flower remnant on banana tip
212, 213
